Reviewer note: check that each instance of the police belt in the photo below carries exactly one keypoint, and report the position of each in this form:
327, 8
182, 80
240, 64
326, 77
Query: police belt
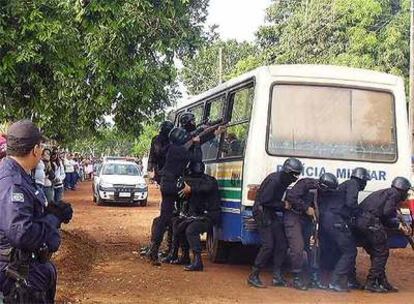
6, 254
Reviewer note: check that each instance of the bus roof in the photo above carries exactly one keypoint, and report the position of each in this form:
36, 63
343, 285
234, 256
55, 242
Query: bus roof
306, 71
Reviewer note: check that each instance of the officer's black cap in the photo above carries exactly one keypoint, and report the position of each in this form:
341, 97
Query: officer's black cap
24, 134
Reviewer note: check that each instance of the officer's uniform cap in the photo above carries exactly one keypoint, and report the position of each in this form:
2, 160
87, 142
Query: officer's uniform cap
24, 134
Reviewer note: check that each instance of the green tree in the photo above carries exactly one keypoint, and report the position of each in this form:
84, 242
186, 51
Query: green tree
67, 66
142, 144
201, 71
371, 34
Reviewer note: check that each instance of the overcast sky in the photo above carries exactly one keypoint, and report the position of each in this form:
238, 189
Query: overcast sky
238, 19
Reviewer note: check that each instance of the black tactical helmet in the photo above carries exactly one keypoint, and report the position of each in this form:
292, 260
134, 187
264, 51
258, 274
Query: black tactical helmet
328, 181
361, 173
401, 183
178, 136
292, 166
186, 118
196, 168
166, 127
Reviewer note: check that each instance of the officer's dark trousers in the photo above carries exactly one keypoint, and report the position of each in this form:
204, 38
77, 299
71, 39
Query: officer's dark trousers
169, 196
375, 242
42, 278
339, 234
169, 231
298, 229
193, 231
273, 244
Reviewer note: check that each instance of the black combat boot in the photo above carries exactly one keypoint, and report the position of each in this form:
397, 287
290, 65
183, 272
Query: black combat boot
152, 254
383, 282
353, 282
254, 279
278, 279
172, 256
339, 283
197, 264
298, 282
373, 285
316, 281
184, 259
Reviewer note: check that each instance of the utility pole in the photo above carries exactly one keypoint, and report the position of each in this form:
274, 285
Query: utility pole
221, 64
411, 89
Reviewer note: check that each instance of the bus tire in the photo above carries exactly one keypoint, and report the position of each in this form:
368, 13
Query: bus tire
218, 251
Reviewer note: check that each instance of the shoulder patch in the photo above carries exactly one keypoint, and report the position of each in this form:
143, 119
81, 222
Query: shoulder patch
18, 197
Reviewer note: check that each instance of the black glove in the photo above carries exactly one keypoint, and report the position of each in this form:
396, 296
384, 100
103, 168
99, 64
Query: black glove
62, 210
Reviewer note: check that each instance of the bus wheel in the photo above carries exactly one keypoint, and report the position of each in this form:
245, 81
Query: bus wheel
218, 251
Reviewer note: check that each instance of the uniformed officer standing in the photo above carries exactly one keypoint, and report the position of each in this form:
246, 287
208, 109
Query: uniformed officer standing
203, 210
27, 229
378, 211
178, 157
267, 204
298, 224
158, 150
337, 208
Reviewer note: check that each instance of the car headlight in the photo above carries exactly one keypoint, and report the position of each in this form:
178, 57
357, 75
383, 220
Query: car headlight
106, 185
141, 186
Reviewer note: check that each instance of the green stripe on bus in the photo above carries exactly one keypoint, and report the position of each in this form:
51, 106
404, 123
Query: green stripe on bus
229, 183
230, 194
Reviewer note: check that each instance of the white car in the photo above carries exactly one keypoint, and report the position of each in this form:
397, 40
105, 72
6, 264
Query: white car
119, 182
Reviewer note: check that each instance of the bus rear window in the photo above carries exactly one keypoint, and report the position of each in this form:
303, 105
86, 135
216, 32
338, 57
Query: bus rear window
332, 122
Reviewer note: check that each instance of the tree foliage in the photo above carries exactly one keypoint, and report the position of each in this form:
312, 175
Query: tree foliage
371, 34
67, 66
142, 144
201, 71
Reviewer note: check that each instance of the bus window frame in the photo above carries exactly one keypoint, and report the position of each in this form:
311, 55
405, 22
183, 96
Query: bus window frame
360, 87
230, 102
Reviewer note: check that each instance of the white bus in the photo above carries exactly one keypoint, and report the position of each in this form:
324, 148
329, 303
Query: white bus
332, 118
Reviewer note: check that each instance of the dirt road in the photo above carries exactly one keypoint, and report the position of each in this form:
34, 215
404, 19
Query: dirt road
98, 263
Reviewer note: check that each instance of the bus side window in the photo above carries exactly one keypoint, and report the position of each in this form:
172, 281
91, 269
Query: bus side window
236, 135
198, 112
214, 109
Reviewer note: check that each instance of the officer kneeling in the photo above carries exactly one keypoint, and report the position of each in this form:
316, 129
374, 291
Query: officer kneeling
203, 210
29, 229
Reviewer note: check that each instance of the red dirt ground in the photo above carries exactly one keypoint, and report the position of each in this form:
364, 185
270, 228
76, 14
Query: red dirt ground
99, 263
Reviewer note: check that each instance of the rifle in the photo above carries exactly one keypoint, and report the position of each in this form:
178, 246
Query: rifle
203, 130
314, 251
410, 238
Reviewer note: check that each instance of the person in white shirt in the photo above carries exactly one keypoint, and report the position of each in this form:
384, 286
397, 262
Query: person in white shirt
69, 171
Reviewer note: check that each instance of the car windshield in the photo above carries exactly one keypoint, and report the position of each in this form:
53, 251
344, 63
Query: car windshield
121, 169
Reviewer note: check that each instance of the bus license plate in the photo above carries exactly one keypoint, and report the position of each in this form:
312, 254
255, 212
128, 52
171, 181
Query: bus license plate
124, 194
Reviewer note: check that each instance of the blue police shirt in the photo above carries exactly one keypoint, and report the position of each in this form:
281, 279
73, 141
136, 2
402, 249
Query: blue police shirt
23, 221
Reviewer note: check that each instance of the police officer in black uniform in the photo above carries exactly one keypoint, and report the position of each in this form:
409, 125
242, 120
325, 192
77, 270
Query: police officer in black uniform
158, 150
29, 228
337, 208
203, 210
378, 211
298, 224
178, 156
187, 122
267, 205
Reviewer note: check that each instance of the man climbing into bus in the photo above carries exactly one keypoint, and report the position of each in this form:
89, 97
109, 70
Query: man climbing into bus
377, 211
299, 223
337, 210
178, 156
268, 213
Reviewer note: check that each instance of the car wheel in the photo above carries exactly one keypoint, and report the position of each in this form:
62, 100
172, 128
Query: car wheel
98, 200
143, 203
